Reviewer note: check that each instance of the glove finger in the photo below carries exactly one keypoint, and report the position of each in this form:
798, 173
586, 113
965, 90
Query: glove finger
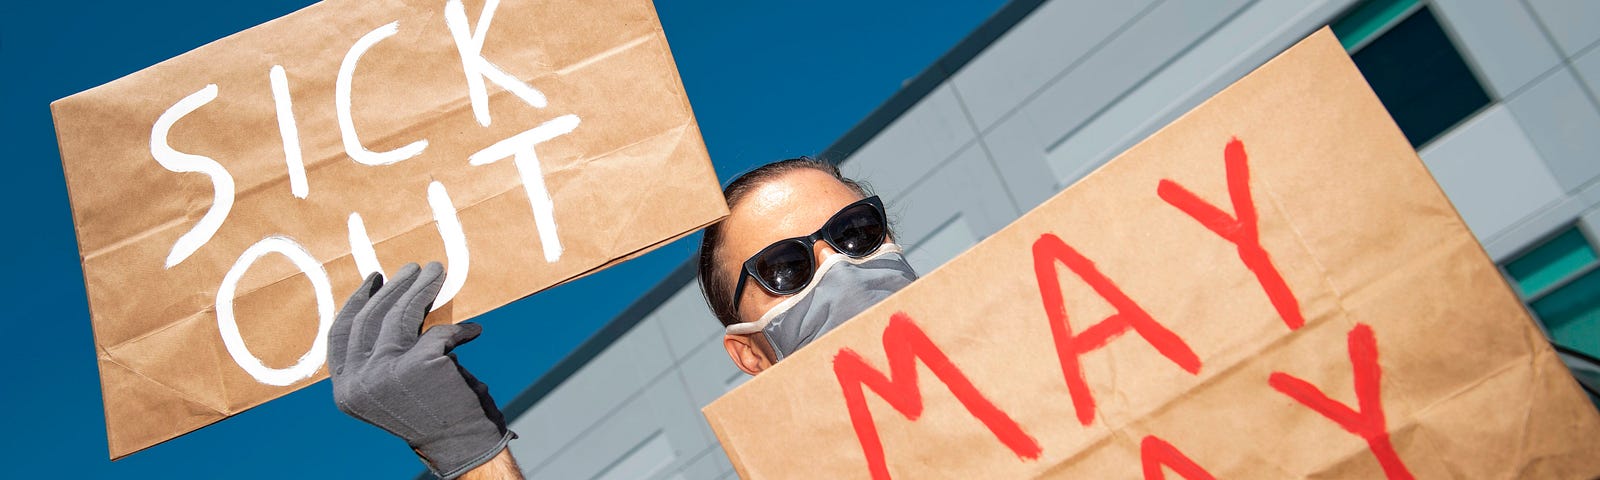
403, 323
339, 334
367, 324
441, 339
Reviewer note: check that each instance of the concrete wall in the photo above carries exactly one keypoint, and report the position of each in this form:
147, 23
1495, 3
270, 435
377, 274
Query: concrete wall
1071, 85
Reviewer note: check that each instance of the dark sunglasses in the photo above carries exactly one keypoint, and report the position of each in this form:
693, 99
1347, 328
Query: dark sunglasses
786, 266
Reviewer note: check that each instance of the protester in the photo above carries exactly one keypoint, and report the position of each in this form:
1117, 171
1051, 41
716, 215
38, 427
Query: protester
802, 250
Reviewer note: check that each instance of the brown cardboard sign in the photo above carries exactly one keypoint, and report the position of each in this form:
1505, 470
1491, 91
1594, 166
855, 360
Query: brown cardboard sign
1270, 287
228, 199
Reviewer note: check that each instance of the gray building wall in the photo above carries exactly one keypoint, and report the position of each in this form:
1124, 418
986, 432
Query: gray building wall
1013, 116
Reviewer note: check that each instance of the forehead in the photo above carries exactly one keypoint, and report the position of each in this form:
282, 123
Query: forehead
793, 204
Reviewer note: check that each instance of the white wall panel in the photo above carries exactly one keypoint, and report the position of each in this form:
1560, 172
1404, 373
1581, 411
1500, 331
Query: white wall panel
1501, 39
1019, 142
1564, 126
1575, 24
1491, 172
587, 397
1587, 67
686, 321
923, 138
1257, 34
1035, 51
654, 432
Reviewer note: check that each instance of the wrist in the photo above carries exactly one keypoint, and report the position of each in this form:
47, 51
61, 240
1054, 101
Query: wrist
449, 458
501, 467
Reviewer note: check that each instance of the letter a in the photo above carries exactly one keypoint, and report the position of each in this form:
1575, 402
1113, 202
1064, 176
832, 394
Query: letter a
1155, 452
1048, 250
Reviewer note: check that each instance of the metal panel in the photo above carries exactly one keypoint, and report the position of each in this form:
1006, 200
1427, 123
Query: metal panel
601, 386
917, 142
1124, 63
1501, 39
710, 464
1037, 50
1575, 24
1590, 195
1491, 172
1535, 227
944, 243
650, 458
686, 321
1256, 35
967, 185
1588, 69
1539, 226
1564, 126
656, 432
1591, 222
1018, 145
708, 373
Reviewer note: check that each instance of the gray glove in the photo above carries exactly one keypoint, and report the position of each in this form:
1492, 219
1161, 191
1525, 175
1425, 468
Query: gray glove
387, 375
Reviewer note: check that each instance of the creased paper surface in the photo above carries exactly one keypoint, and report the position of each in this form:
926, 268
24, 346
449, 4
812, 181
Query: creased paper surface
523, 143
1270, 287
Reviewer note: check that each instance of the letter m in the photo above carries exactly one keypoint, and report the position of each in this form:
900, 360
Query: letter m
905, 343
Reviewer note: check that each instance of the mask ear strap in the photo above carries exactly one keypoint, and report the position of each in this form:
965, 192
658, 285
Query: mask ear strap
745, 328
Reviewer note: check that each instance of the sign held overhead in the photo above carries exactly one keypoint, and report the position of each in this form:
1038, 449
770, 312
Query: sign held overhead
225, 199
1272, 286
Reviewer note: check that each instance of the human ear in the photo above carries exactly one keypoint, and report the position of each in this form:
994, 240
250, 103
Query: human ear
742, 350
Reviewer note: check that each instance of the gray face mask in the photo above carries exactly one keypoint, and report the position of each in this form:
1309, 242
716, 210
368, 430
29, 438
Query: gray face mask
841, 288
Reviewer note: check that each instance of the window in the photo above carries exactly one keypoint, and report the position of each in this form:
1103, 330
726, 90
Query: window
1412, 66
1560, 281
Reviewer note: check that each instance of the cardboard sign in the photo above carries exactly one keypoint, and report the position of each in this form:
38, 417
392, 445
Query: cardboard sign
228, 200
1272, 286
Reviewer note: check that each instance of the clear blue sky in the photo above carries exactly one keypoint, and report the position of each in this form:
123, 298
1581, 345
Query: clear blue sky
768, 80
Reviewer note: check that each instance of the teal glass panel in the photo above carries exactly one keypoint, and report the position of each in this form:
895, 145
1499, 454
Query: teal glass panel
1368, 19
1552, 261
1572, 314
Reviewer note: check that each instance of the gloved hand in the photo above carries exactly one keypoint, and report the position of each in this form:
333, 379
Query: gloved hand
387, 375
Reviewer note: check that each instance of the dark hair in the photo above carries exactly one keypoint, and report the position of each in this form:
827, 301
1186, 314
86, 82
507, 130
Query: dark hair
718, 287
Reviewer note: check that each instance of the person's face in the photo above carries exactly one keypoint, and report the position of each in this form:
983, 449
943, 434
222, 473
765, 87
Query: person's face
794, 204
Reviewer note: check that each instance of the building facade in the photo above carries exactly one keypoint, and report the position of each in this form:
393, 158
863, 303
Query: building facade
1498, 96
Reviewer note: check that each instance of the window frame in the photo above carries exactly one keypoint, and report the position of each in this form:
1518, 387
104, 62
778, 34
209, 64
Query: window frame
1450, 35
1528, 298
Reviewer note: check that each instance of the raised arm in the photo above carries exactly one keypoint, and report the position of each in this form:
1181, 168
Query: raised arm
389, 374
